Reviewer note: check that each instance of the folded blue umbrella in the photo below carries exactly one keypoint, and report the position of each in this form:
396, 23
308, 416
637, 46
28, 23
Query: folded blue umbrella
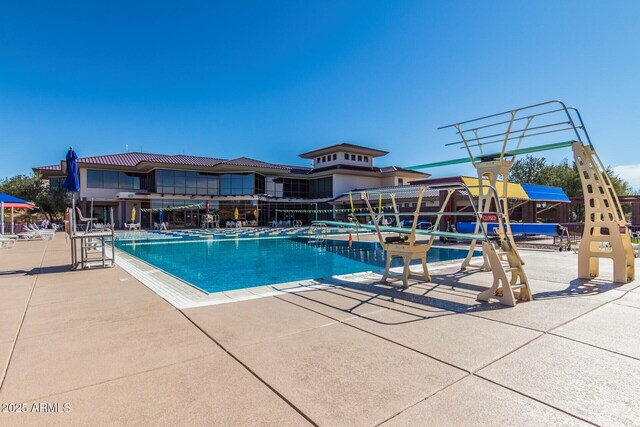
72, 183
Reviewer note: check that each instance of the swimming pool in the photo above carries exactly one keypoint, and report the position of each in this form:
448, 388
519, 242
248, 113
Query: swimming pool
222, 265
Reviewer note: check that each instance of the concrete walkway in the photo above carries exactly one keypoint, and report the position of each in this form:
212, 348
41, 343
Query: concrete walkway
356, 353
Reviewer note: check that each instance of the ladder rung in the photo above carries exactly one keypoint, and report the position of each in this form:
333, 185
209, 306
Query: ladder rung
518, 285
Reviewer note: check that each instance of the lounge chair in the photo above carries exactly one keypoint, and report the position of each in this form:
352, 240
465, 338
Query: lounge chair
32, 234
7, 242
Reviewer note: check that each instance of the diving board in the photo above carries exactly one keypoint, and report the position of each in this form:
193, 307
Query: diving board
479, 158
402, 230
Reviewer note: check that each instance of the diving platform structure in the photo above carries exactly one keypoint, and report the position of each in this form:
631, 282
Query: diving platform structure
411, 243
533, 129
525, 130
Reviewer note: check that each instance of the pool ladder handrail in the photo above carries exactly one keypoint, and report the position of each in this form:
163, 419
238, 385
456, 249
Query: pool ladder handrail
319, 232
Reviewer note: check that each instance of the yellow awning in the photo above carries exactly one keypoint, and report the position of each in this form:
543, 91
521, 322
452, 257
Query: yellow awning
514, 190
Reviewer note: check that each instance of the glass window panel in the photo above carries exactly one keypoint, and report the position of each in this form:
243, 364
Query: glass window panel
225, 184
191, 179
180, 180
125, 181
166, 178
202, 183
110, 179
212, 185
94, 179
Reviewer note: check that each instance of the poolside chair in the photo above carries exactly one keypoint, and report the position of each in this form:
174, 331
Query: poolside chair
133, 226
88, 221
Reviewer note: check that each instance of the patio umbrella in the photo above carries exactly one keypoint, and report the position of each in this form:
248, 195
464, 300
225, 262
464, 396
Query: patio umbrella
255, 214
11, 202
72, 183
133, 214
160, 215
104, 215
236, 214
206, 206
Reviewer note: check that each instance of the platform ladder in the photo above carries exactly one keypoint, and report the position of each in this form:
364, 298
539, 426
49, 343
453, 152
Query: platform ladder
606, 234
499, 252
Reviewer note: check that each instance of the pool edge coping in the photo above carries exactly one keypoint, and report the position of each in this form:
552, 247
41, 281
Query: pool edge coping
183, 295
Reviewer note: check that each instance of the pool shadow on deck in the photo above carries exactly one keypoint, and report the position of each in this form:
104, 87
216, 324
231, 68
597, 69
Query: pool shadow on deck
360, 299
580, 288
427, 300
37, 271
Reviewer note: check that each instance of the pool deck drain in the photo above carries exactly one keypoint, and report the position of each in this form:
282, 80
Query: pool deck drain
346, 351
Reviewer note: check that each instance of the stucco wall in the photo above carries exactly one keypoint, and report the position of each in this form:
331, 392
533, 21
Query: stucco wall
345, 183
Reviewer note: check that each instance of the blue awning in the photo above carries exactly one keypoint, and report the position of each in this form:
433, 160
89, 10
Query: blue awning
542, 193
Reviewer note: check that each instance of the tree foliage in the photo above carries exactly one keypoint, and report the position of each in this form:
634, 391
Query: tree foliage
50, 202
532, 170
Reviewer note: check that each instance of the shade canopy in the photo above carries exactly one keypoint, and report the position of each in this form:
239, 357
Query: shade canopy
72, 183
542, 193
514, 190
15, 202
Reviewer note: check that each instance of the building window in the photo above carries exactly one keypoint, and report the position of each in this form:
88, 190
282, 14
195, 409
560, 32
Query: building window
56, 184
113, 179
353, 157
346, 156
400, 181
366, 159
359, 158
318, 160
321, 187
200, 183
335, 157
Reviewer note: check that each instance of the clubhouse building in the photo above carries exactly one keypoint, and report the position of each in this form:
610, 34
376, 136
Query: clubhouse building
183, 186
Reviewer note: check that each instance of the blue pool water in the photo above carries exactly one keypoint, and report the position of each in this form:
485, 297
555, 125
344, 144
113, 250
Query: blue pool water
222, 265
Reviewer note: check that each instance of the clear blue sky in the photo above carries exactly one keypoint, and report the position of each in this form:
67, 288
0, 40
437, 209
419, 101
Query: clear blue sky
270, 80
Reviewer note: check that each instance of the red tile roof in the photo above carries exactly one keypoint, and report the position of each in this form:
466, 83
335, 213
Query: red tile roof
181, 159
133, 159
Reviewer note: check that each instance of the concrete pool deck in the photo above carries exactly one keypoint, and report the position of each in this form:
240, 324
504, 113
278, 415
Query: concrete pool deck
351, 353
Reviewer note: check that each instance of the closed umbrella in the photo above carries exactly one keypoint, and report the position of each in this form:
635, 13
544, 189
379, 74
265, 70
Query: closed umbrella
206, 206
105, 216
133, 214
72, 183
236, 214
